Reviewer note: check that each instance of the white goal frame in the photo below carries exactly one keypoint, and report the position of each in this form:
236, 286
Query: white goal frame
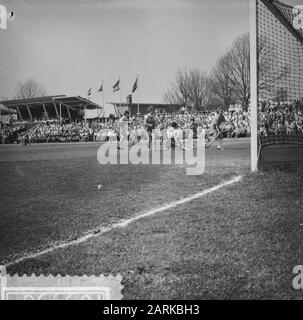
253, 86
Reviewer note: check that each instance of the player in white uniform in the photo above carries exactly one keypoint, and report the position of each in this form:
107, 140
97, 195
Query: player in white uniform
123, 128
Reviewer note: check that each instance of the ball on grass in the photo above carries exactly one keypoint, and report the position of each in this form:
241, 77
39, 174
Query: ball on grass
99, 186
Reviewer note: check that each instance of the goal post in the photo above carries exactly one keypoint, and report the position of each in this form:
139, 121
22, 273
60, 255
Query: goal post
253, 86
276, 74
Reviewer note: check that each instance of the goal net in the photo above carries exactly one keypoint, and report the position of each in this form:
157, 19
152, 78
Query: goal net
278, 91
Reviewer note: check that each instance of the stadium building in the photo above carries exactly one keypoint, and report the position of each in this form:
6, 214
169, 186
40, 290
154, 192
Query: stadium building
75, 107
135, 108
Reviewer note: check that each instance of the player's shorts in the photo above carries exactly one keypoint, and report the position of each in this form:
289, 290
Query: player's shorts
149, 129
214, 133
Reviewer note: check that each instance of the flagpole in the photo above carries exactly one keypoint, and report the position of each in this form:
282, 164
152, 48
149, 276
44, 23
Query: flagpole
103, 98
88, 98
138, 96
120, 91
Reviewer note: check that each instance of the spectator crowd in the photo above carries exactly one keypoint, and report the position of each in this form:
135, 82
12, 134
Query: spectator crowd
273, 119
285, 119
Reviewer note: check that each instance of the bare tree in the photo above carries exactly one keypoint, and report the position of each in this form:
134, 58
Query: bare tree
29, 89
238, 64
178, 92
270, 69
221, 84
229, 81
191, 87
199, 89
231, 76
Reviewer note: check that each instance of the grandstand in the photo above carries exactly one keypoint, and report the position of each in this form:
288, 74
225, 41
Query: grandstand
50, 107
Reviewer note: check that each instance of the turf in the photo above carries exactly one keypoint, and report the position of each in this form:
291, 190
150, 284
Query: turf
49, 193
239, 242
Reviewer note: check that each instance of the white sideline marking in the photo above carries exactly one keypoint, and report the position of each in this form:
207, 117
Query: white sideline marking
124, 222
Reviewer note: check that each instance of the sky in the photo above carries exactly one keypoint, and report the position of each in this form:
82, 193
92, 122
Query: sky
70, 45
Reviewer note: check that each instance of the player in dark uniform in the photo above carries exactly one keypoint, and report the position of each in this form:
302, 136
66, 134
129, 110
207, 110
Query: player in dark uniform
150, 124
215, 130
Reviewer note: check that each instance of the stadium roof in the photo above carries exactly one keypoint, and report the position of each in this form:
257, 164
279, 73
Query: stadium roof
75, 102
5, 110
53, 106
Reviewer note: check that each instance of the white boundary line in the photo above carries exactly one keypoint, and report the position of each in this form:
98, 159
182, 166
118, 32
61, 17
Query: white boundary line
124, 222
97, 143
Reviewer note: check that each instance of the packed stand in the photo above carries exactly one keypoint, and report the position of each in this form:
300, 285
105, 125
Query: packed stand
283, 119
53, 131
273, 120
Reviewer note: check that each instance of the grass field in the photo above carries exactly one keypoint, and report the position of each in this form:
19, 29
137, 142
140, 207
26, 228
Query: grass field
241, 241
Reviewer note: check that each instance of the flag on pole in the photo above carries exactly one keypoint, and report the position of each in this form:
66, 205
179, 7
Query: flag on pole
135, 86
116, 86
89, 92
101, 88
